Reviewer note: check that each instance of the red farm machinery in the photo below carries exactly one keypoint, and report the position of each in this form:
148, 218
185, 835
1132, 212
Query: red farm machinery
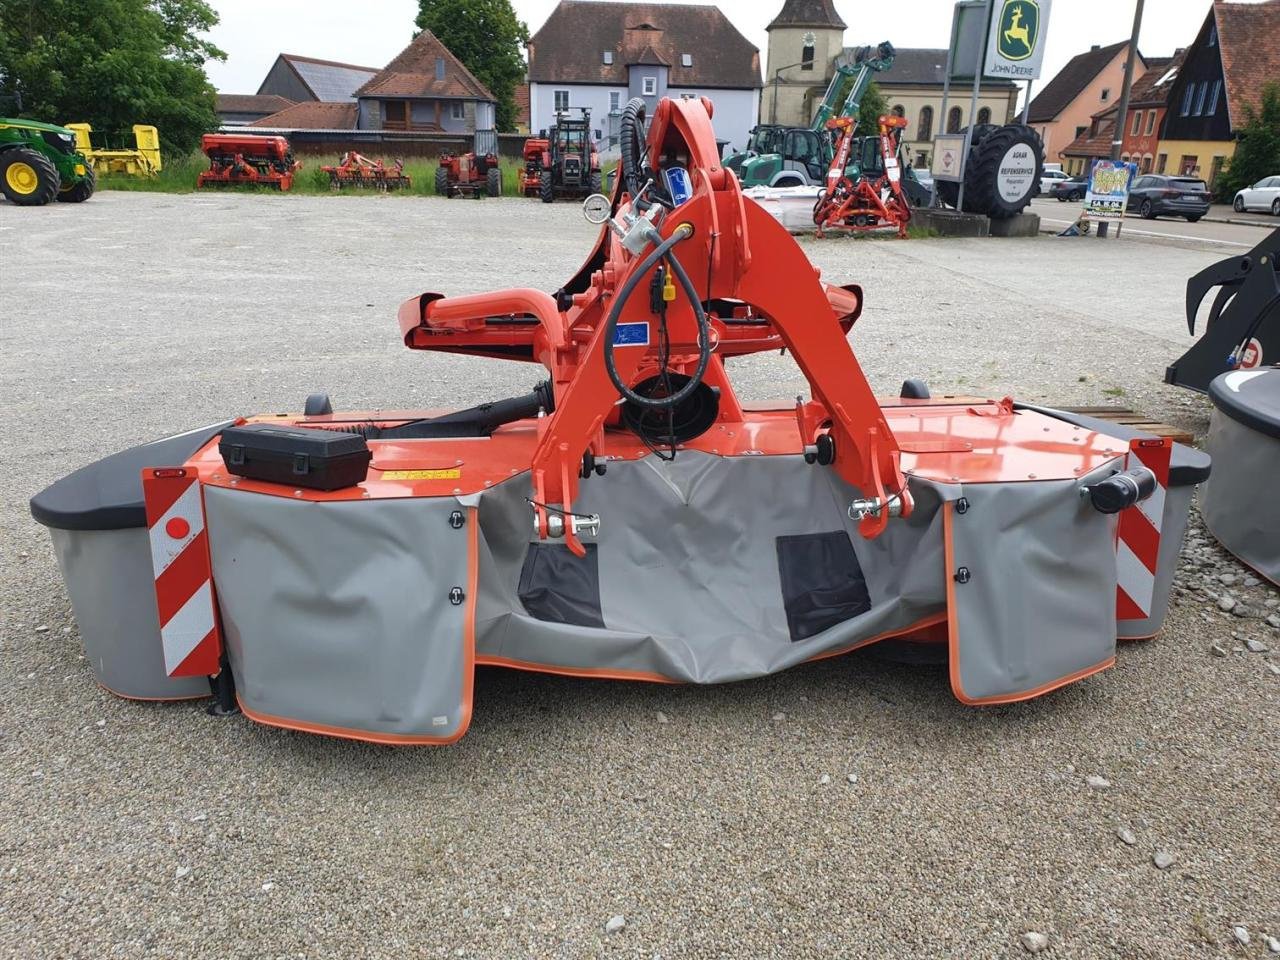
474, 174
237, 159
357, 170
870, 199
564, 161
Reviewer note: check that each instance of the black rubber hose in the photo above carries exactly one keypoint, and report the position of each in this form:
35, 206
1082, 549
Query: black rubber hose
661, 252
631, 142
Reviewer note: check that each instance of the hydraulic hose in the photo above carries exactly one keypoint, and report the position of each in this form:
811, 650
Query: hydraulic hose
661, 252
631, 137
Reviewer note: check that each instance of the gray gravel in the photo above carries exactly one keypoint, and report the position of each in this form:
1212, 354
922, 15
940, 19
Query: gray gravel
132, 830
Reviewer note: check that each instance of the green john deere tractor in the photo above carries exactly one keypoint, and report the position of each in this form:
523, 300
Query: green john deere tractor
39, 163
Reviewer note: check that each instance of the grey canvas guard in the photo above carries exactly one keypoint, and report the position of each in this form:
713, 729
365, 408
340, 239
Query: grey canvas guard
1033, 587
689, 584
1241, 501
113, 593
1187, 468
338, 615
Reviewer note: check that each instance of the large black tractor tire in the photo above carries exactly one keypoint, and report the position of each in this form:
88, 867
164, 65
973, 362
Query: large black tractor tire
545, 190
597, 182
82, 191
442, 182
493, 182
1002, 174
1005, 170
28, 178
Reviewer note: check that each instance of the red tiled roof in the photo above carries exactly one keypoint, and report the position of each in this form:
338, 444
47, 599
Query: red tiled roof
413, 74
1147, 90
263, 103
807, 13
523, 109
1079, 72
312, 115
1095, 145
571, 46
1249, 42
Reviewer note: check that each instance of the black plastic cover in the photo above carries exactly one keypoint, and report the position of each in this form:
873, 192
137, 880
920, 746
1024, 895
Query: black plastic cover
558, 587
1253, 401
822, 582
107, 494
297, 456
1187, 465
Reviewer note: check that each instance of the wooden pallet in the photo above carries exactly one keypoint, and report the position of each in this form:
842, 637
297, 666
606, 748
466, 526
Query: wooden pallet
1136, 420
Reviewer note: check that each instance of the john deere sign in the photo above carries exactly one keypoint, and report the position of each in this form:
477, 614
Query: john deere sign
1015, 44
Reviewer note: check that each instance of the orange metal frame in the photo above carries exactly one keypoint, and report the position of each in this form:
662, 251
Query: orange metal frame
737, 254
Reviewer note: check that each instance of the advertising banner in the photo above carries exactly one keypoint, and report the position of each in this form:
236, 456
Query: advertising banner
1108, 192
1015, 42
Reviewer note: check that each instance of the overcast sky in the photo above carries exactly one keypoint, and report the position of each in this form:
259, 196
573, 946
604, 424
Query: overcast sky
370, 33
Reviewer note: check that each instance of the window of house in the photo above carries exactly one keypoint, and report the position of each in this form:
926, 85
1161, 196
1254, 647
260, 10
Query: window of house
1137, 123
1146, 163
457, 110
1080, 132
953, 120
1187, 96
984, 115
1151, 122
649, 86
925, 132
807, 51
608, 57
1106, 94
562, 100
1161, 160
1213, 35
1187, 165
439, 68
1215, 168
686, 59
1204, 91
1213, 98
615, 101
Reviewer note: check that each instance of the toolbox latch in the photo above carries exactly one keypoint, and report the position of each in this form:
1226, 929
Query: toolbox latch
301, 464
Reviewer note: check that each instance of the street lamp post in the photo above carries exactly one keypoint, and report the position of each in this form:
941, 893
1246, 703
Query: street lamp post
773, 109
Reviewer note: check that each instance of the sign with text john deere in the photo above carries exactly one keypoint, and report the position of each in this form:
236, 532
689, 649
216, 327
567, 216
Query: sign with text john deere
1108, 189
1015, 42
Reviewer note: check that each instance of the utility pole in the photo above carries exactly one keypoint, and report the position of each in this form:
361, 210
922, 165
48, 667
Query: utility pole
1122, 111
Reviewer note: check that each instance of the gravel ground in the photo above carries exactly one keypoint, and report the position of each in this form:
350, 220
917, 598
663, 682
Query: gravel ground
846, 808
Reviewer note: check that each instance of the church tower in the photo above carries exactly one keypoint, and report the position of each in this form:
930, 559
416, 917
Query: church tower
804, 40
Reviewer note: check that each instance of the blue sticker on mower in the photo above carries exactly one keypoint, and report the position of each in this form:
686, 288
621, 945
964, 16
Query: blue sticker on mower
631, 335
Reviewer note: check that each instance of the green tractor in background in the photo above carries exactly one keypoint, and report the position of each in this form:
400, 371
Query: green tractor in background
39, 163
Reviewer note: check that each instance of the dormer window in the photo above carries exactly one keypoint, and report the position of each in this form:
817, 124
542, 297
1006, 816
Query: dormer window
439, 68
608, 57
686, 59
808, 42
1106, 94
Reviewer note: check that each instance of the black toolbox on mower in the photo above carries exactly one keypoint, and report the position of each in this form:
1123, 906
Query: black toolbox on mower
296, 456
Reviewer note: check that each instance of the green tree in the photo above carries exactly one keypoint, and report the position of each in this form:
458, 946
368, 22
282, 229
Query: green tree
112, 63
486, 35
1258, 146
873, 107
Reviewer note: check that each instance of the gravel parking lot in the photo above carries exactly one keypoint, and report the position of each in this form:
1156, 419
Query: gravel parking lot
848, 808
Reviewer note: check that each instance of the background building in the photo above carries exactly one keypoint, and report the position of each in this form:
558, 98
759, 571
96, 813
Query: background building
1065, 108
600, 55
1235, 54
806, 42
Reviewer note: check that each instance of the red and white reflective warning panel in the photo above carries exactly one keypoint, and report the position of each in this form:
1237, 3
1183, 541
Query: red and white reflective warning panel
1138, 539
183, 572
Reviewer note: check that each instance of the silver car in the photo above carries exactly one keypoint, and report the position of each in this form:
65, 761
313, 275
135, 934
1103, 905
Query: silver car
1263, 195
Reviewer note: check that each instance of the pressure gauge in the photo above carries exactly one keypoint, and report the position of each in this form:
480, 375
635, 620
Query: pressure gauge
597, 207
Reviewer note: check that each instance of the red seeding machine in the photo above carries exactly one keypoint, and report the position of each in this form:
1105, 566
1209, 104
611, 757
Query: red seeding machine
357, 170
631, 517
239, 159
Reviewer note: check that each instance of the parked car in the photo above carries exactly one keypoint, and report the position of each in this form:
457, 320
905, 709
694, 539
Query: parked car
1072, 188
1263, 195
1049, 179
1157, 194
